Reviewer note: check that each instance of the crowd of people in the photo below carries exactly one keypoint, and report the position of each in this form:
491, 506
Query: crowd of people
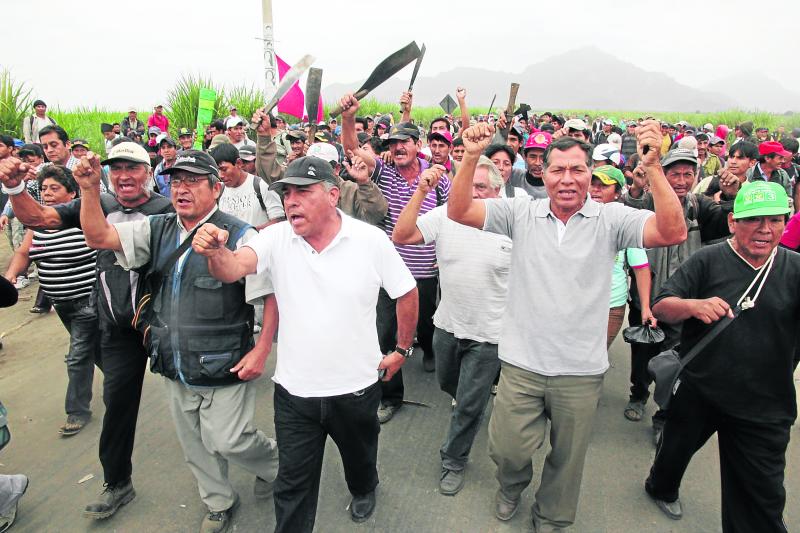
505, 248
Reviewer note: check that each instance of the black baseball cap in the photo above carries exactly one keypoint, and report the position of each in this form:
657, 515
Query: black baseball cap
305, 171
184, 131
403, 131
196, 162
297, 135
324, 136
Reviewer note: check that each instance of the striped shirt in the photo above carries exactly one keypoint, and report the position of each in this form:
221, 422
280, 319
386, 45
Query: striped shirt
419, 258
66, 265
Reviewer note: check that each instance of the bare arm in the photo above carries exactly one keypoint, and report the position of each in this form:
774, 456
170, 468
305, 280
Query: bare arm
350, 107
407, 309
461, 207
668, 226
644, 285
26, 209
406, 101
406, 230
252, 365
461, 95
20, 260
99, 234
674, 310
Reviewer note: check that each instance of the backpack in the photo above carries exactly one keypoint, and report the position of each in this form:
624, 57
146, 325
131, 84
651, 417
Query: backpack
33, 117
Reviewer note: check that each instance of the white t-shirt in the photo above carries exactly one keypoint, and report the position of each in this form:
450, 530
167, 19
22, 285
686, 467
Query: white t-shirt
243, 142
473, 276
242, 202
327, 341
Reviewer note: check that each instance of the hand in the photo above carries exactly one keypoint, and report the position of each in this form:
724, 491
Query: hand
88, 172
3, 222
358, 169
251, 366
387, 158
649, 135
561, 132
12, 171
728, 182
430, 178
477, 137
461, 94
263, 123
291, 156
349, 105
648, 318
31, 174
209, 240
392, 364
711, 309
640, 182
406, 100
502, 122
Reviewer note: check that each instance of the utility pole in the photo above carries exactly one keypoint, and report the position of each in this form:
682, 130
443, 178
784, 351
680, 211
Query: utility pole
270, 65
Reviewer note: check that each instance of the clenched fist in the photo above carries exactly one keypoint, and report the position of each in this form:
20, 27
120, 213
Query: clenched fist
209, 240
477, 137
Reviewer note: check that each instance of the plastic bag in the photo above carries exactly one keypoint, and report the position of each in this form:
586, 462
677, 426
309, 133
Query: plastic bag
643, 334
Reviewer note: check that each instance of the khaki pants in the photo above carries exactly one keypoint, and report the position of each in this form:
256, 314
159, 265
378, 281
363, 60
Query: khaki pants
214, 426
525, 401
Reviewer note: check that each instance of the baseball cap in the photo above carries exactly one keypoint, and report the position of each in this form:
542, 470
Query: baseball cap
232, 108
405, 130
165, 137
194, 161
154, 130
296, 134
606, 151
127, 151
576, 124
445, 136
157, 106
708, 126
517, 129
715, 140
609, 175
773, 147
233, 121
305, 171
131, 109
363, 137
325, 151
324, 136
247, 152
80, 142
184, 131
540, 140
39, 102
760, 198
608, 122
679, 154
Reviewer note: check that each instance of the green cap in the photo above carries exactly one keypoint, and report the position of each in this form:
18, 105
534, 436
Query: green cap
759, 199
609, 175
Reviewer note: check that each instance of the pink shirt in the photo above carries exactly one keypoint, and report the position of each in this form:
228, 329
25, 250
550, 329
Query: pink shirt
159, 121
791, 234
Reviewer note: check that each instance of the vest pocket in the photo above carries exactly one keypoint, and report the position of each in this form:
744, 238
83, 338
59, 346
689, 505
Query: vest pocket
208, 298
213, 355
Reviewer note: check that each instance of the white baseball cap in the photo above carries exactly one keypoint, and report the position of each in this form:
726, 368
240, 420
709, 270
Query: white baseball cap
127, 151
325, 151
233, 121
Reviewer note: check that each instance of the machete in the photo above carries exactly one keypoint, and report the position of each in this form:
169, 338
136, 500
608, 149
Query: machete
313, 86
288, 80
385, 70
491, 106
512, 100
416, 68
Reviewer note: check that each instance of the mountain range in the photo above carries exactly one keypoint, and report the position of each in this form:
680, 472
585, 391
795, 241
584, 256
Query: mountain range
585, 78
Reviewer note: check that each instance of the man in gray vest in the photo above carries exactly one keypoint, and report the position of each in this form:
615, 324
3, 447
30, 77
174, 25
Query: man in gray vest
200, 334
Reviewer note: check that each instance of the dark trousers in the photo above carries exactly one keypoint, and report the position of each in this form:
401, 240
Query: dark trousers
752, 458
393, 390
79, 317
640, 357
123, 361
465, 370
42, 300
302, 426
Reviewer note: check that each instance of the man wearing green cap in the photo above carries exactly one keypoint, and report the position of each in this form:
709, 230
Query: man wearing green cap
740, 386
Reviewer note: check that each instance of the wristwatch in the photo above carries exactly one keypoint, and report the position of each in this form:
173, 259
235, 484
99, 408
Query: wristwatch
405, 352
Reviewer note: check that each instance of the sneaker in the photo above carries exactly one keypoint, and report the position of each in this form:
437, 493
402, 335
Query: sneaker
634, 411
73, 425
361, 507
673, 510
7, 519
493, 390
386, 412
219, 521
112, 498
263, 489
38, 310
505, 509
256, 328
22, 282
451, 482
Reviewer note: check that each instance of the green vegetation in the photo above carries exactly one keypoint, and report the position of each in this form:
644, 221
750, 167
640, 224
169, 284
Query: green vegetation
15, 103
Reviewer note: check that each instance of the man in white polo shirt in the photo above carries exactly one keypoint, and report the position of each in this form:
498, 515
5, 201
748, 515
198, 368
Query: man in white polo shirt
553, 339
326, 269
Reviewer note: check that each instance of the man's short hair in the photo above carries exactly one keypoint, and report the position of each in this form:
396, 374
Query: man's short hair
58, 130
492, 149
458, 141
376, 143
224, 153
790, 144
363, 122
218, 125
744, 149
562, 144
7, 140
59, 173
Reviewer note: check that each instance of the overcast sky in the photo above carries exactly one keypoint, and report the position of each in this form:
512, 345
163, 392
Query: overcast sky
114, 54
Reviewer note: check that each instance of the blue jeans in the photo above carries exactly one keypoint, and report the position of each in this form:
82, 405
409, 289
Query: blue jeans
466, 370
79, 316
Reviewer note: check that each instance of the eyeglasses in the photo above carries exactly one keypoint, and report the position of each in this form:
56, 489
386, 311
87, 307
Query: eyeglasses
190, 179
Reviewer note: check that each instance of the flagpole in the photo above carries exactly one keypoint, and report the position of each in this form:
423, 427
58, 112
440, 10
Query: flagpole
270, 70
